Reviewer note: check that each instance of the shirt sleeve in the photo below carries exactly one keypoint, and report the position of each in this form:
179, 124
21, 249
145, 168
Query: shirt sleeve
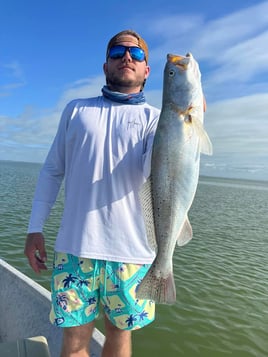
50, 177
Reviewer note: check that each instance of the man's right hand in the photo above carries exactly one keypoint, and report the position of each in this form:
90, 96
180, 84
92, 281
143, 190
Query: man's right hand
35, 251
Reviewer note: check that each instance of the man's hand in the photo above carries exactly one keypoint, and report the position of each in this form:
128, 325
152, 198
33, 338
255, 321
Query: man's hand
35, 251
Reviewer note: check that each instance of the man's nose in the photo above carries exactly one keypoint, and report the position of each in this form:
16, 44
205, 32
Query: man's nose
127, 57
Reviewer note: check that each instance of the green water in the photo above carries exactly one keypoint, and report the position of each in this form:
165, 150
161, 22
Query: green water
221, 275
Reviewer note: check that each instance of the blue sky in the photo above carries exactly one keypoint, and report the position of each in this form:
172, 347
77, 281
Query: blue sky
53, 51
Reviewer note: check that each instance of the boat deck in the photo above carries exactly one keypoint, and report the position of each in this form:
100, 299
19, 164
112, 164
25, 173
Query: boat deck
24, 311
30, 347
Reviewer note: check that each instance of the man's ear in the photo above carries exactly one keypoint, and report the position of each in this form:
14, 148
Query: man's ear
147, 72
105, 68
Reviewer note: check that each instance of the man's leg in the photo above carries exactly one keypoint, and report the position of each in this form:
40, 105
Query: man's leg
76, 340
117, 343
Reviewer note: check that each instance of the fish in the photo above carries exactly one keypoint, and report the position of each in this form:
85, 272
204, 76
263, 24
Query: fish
167, 195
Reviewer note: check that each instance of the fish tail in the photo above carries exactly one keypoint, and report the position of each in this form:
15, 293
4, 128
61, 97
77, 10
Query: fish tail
158, 288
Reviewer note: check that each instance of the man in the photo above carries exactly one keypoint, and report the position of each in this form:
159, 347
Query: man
102, 150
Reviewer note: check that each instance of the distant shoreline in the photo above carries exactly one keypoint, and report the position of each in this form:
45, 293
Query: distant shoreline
202, 178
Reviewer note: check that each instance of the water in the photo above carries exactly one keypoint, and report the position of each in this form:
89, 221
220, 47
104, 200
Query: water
221, 275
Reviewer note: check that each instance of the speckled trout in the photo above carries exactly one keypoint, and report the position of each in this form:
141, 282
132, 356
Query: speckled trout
169, 192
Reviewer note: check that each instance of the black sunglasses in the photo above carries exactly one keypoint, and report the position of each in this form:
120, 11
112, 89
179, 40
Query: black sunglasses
119, 51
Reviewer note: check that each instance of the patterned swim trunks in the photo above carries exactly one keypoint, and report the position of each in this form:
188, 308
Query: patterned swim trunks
79, 285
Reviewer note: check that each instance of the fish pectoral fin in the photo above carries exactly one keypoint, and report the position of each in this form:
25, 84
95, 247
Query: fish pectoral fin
186, 233
205, 145
146, 202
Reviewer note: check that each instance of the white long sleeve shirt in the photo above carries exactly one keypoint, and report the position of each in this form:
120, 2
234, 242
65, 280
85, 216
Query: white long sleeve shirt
103, 151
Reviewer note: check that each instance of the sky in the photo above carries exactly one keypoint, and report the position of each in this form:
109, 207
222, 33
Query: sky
53, 51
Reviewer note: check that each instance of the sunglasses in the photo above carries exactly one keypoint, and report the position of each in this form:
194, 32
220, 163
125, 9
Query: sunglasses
119, 51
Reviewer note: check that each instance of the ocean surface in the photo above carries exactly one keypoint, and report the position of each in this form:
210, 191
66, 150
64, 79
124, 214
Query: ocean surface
221, 275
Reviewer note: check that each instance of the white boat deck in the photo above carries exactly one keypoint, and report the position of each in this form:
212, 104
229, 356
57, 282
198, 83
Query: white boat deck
24, 310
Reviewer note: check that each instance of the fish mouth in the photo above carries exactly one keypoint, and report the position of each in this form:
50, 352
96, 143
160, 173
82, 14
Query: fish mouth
180, 61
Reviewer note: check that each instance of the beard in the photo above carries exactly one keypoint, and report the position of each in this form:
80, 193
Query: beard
117, 82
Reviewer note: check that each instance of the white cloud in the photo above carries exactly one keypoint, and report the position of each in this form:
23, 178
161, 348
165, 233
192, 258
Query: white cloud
11, 77
238, 130
241, 62
230, 49
83, 88
217, 35
32, 129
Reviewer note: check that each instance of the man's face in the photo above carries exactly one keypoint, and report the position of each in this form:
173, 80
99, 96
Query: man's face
126, 75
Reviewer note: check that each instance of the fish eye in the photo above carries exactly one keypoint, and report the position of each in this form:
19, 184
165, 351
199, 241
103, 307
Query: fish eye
171, 73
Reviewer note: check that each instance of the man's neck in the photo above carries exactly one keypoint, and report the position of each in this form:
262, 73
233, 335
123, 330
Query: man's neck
124, 90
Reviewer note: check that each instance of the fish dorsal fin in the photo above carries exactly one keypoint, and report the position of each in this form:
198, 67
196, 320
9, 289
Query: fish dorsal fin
186, 233
205, 145
146, 202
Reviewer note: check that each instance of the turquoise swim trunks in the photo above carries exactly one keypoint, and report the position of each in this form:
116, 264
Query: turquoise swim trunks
80, 285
